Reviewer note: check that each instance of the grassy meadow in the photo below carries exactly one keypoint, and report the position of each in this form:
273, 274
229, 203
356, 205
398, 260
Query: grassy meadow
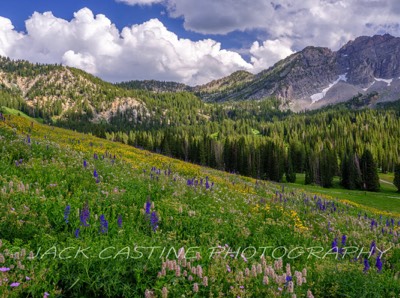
387, 199
86, 217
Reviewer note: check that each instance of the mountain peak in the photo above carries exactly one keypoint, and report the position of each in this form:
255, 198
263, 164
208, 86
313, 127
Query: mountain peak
318, 76
368, 41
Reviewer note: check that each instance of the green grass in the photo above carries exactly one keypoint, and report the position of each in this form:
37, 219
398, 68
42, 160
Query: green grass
387, 181
8, 111
387, 199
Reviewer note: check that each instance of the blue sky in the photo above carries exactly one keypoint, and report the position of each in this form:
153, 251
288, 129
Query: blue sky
189, 41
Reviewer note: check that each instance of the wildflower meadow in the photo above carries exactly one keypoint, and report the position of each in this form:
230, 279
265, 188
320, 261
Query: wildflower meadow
86, 217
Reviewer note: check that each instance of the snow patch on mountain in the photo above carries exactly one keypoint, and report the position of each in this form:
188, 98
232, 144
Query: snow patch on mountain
387, 81
365, 89
318, 96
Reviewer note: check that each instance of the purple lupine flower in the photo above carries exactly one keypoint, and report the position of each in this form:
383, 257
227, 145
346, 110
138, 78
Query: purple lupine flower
387, 222
85, 163
288, 278
344, 238
372, 247
95, 156
379, 264
103, 224
148, 206
28, 139
119, 221
77, 233
95, 175
329, 226
334, 245
372, 224
66, 213
207, 185
154, 221
84, 216
366, 265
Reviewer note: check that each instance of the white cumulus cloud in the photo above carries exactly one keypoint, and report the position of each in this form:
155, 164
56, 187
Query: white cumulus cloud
328, 23
8, 37
143, 51
271, 51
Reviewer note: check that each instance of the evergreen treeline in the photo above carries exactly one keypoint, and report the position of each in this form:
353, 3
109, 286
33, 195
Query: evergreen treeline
253, 139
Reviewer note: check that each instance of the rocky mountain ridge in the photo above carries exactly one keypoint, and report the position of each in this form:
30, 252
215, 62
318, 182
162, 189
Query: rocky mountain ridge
315, 77
62, 92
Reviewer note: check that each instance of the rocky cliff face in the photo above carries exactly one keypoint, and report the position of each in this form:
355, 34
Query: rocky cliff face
367, 58
315, 76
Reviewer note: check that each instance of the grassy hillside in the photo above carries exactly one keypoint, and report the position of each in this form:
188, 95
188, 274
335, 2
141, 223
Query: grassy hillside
386, 199
86, 217
8, 111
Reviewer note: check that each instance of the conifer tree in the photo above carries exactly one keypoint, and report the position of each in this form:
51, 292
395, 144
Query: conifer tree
345, 181
396, 180
327, 165
351, 173
290, 173
309, 172
369, 172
